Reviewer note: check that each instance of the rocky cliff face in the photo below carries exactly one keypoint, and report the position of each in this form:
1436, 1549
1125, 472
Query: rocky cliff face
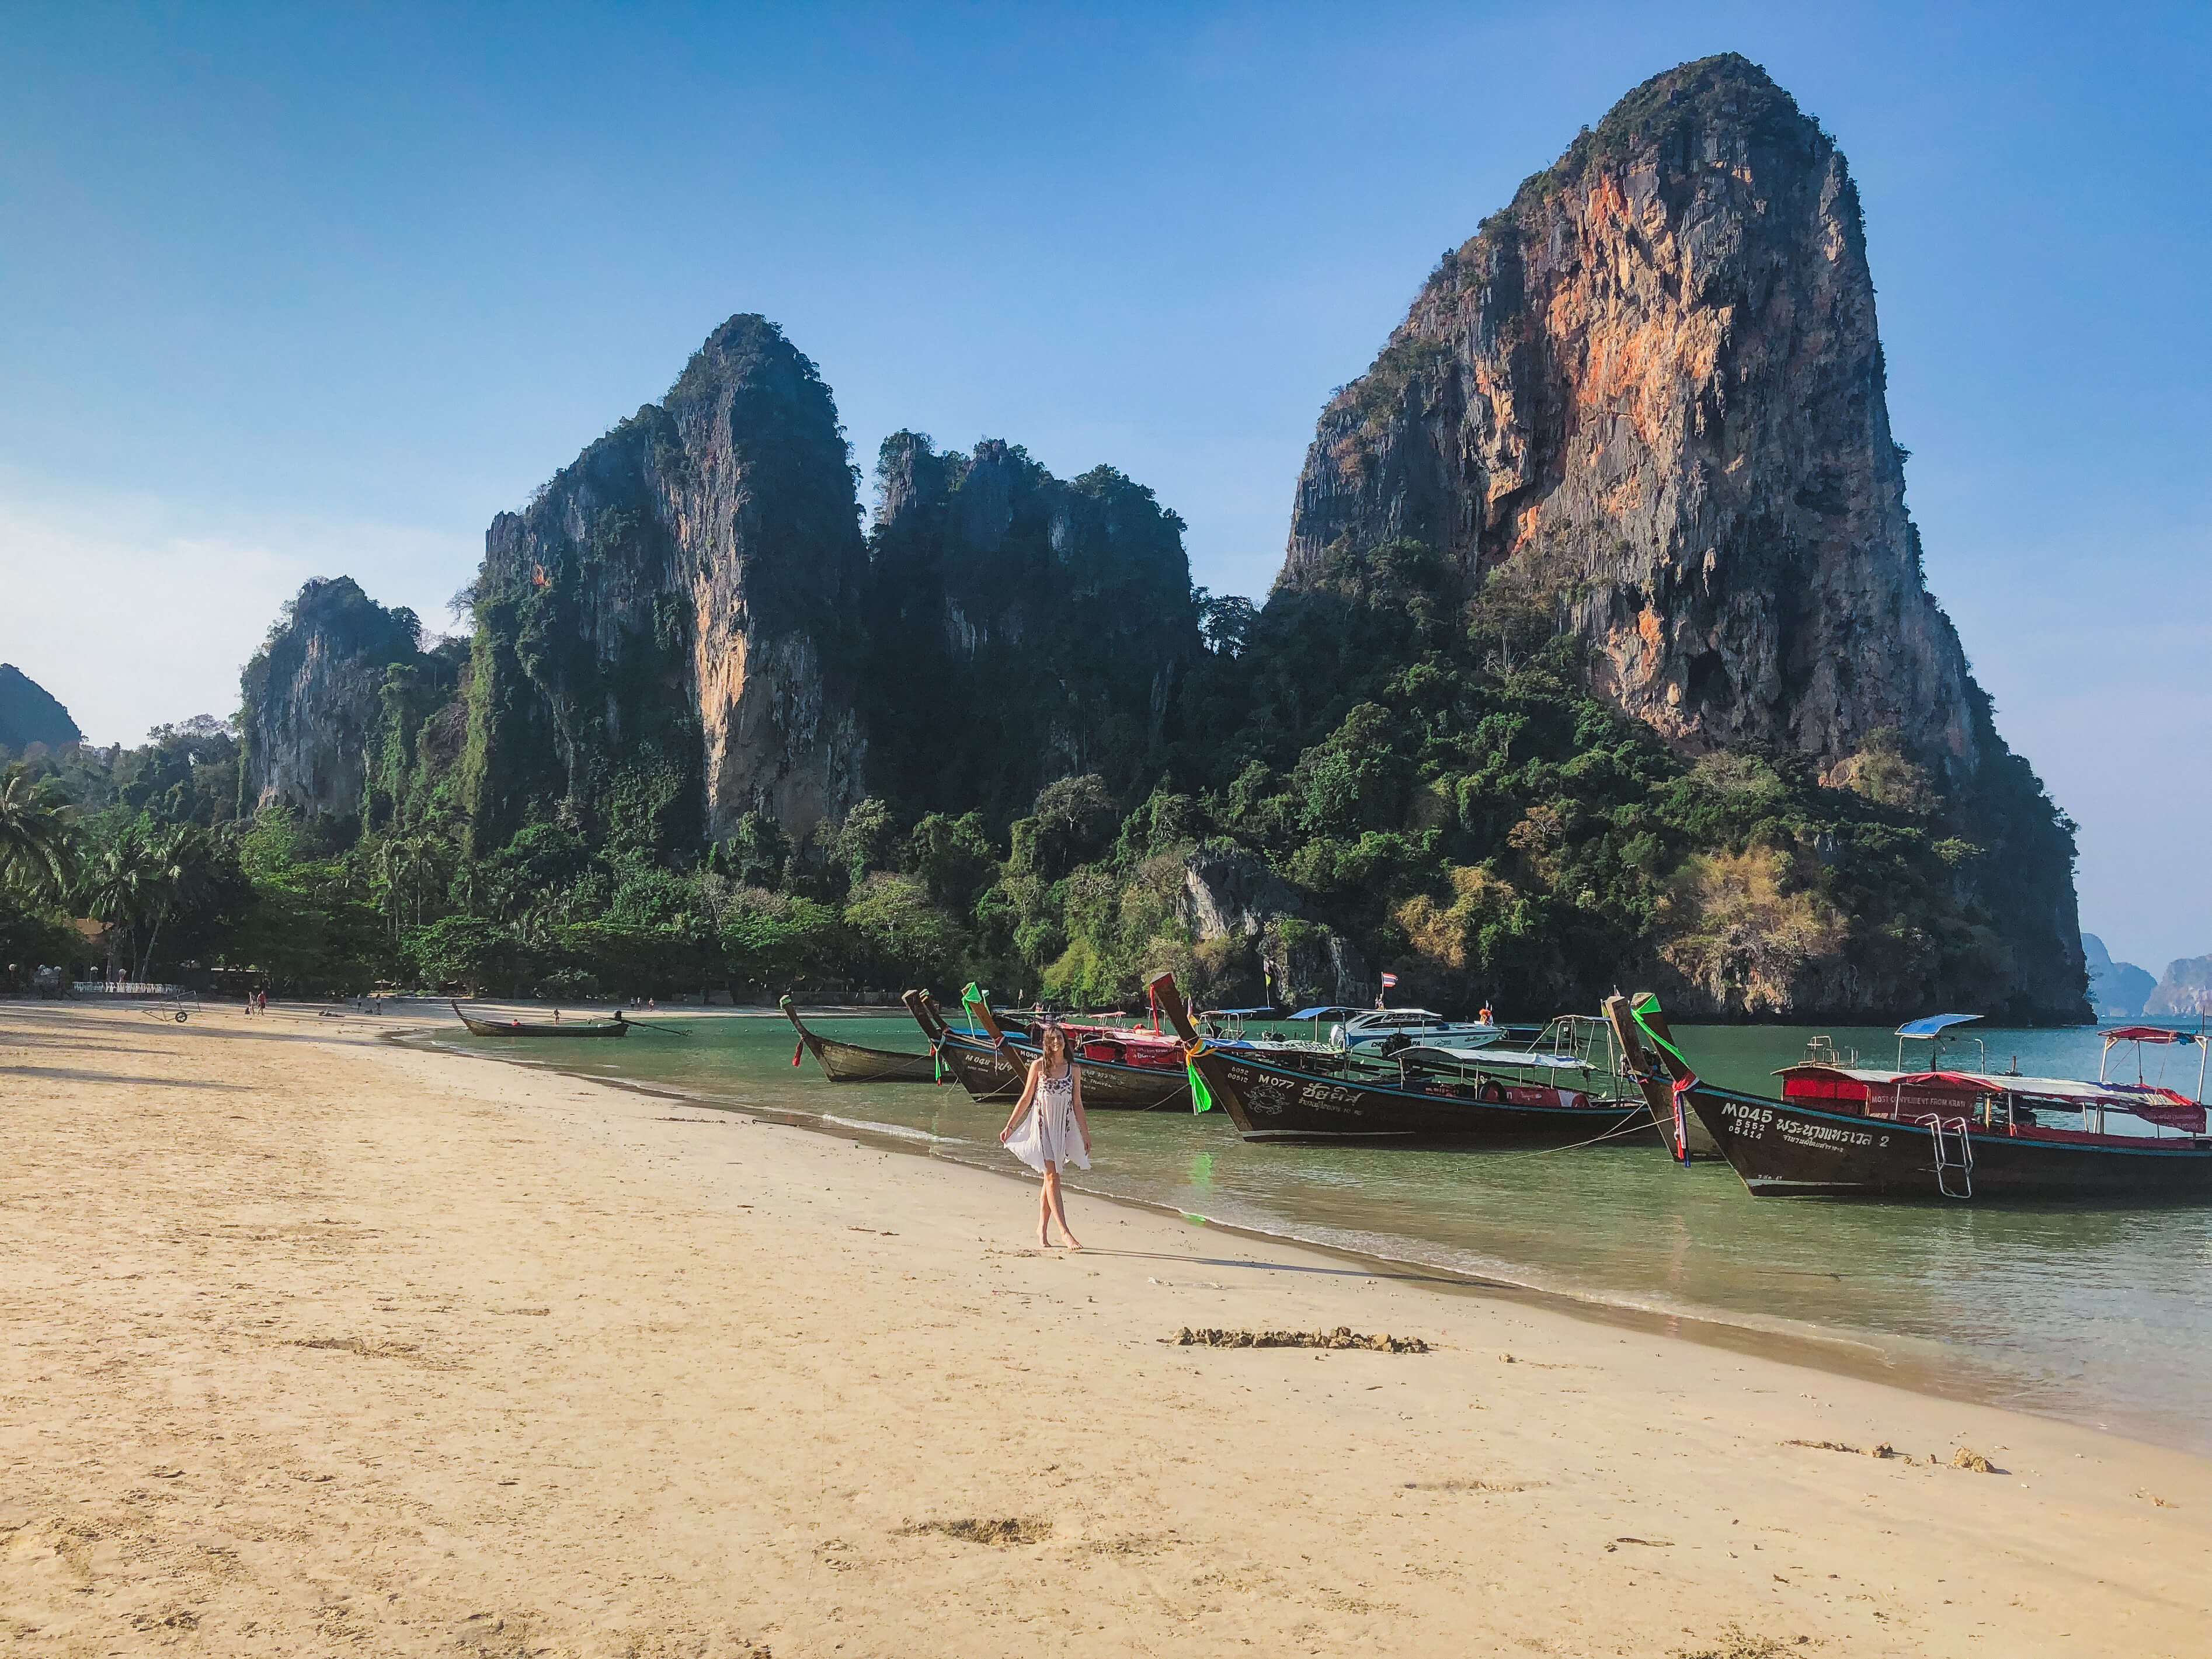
1023, 628
666, 637
311, 699
29, 714
1654, 383
1231, 896
2116, 989
2184, 989
1648, 398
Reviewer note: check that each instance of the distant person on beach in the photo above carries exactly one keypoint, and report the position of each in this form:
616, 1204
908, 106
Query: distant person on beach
1053, 1132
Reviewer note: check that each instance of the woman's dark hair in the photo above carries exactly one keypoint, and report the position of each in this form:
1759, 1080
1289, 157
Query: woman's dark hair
1053, 1028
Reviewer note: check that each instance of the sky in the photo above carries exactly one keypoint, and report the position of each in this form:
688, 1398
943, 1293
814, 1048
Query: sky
301, 290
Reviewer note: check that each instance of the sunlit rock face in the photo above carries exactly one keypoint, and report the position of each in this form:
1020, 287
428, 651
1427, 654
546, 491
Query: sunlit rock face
1649, 398
1654, 381
311, 700
669, 628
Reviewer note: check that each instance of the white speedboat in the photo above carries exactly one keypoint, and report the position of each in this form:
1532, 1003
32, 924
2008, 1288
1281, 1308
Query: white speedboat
1372, 1030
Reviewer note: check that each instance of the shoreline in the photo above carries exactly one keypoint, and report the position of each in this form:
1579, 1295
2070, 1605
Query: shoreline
319, 1340
1936, 1374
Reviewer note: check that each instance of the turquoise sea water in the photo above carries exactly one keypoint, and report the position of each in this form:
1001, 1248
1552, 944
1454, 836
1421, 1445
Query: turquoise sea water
2101, 1317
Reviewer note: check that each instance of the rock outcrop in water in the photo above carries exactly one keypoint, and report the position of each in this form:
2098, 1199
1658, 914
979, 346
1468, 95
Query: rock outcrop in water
2184, 989
2116, 989
1649, 398
667, 636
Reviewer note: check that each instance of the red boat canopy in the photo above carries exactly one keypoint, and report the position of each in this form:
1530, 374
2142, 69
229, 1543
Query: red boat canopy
2147, 1034
2150, 1103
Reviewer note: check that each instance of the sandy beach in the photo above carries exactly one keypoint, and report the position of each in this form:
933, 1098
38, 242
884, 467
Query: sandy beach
319, 1345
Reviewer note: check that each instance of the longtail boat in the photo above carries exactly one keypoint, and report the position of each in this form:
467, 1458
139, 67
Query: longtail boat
1934, 1134
1406, 1105
535, 1028
848, 1062
1122, 1071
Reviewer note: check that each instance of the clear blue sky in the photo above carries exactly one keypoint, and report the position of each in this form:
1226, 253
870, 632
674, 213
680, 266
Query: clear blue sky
301, 289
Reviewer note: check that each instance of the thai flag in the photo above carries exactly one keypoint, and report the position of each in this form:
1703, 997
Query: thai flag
1390, 980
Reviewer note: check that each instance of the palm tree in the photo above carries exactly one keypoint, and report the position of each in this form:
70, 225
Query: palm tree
37, 848
138, 879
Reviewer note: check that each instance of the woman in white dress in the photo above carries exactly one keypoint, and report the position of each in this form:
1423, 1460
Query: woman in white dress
1049, 1129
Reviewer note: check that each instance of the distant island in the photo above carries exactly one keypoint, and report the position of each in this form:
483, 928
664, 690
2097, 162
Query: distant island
1600, 653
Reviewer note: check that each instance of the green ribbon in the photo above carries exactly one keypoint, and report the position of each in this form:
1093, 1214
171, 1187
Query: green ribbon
1645, 1004
1202, 1099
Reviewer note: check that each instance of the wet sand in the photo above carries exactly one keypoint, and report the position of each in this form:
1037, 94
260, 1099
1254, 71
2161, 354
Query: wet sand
317, 1344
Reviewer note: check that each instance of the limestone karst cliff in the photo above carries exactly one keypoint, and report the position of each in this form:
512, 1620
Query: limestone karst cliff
1655, 382
665, 634
1022, 628
311, 702
1647, 399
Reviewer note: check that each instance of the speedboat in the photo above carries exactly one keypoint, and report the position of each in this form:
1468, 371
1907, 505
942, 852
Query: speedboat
1377, 1031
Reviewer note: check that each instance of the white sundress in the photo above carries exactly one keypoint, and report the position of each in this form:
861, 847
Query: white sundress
1048, 1134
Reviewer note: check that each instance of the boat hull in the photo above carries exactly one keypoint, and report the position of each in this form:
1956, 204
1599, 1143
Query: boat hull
850, 1062
537, 1028
1282, 1103
998, 1074
1784, 1149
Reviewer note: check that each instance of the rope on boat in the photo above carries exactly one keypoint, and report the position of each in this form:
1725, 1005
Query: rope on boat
1610, 1135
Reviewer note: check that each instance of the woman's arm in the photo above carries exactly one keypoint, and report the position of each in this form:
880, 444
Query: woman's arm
1023, 1105
1075, 1093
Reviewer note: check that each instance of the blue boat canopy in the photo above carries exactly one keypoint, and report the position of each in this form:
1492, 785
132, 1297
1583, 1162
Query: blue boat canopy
1247, 1013
1322, 1013
1932, 1024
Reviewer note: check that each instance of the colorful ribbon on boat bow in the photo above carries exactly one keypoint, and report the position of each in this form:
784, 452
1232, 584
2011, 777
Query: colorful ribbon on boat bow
1201, 1098
1645, 1004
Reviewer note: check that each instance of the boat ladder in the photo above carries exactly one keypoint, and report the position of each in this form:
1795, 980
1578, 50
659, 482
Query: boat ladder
1954, 1157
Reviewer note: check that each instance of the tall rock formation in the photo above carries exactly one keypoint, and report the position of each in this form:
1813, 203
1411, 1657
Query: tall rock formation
1023, 628
311, 699
1649, 395
1655, 381
2184, 989
667, 635
2118, 990
29, 714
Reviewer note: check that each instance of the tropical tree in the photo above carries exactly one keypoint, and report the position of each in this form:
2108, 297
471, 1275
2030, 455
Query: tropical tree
37, 847
139, 880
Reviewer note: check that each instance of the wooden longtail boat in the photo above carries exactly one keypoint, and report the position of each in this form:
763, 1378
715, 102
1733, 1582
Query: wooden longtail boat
992, 1063
848, 1062
581, 1028
1269, 1100
1932, 1134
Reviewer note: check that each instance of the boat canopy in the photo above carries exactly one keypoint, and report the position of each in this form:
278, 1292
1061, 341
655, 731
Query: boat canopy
2144, 1100
1932, 1024
2147, 1034
1512, 1059
1855, 1073
1247, 1013
1323, 1013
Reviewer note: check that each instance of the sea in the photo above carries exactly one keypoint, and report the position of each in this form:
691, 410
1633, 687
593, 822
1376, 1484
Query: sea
2100, 1317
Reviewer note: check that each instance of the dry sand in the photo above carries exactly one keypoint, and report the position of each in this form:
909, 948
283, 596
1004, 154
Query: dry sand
317, 1346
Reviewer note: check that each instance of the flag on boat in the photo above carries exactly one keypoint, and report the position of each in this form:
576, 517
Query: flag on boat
1390, 982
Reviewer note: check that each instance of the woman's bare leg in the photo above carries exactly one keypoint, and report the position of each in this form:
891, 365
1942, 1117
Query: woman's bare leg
1044, 1209
1059, 1209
